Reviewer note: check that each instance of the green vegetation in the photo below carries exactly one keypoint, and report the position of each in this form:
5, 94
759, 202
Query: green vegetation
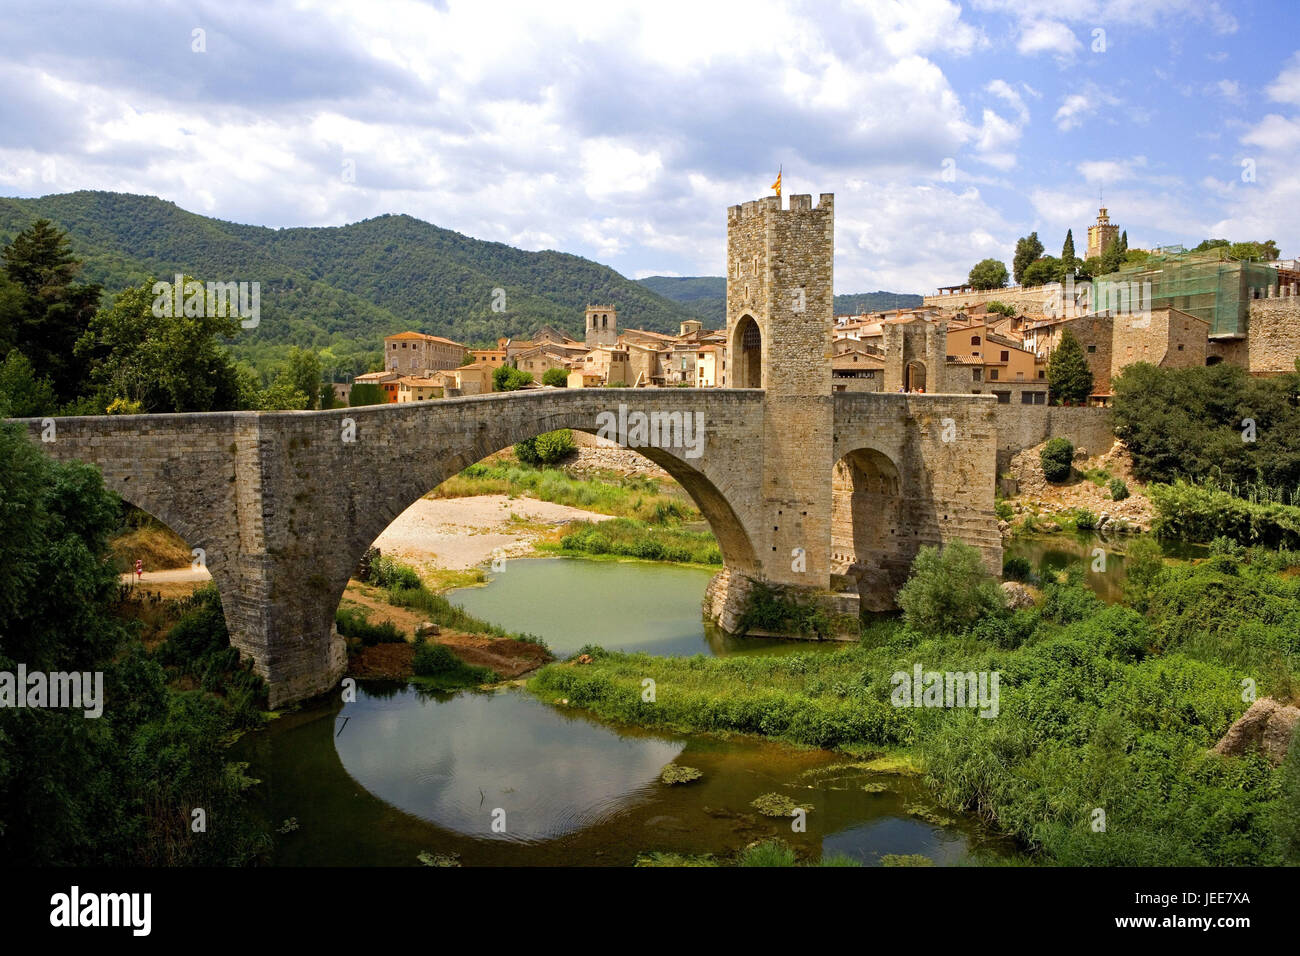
1068, 375
1057, 459
1028, 249
556, 377
1100, 707
1118, 489
705, 297
675, 773
1190, 512
119, 789
507, 378
352, 622
948, 589
633, 538
1000, 308
777, 610
1215, 423
987, 274
365, 393
778, 805
1016, 569
439, 666
549, 448
631, 496
403, 588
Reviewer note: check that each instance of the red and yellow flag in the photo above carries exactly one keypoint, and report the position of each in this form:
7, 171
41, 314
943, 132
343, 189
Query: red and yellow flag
777, 185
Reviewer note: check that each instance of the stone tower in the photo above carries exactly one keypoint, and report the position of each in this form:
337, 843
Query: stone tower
1101, 233
780, 316
601, 325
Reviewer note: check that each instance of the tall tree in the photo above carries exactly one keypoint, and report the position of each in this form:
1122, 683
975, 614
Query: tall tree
1068, 375
1112, 257
43, 311
1067, 252
1028, 248
1123, 241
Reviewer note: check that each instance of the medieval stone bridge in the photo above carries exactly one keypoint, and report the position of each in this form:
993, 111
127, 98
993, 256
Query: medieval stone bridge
284, 504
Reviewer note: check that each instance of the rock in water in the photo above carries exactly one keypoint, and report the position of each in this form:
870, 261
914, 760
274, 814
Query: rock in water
1018, 596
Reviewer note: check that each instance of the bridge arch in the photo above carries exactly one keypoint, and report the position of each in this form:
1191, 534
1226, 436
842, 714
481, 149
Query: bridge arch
871, 548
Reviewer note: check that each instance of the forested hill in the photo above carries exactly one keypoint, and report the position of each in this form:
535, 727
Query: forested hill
348, 285
706, 296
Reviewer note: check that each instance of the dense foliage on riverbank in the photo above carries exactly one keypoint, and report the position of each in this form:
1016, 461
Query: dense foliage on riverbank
639, 539
1100, 708
120, 788
1188, 512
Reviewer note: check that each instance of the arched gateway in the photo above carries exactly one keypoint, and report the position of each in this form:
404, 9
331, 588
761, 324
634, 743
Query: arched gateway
284, 503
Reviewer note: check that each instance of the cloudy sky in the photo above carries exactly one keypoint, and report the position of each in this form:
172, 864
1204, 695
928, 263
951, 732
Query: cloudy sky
621, 133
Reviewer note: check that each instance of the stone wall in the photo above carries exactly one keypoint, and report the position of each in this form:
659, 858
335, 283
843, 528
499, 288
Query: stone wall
1030, 299
1024, 426
1273, 335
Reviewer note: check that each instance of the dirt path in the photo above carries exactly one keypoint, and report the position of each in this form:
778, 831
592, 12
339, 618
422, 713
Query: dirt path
173, 583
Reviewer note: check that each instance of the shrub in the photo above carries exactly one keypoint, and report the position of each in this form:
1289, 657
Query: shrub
553, 447
1056, 458
351, 622
557, 377
433, 659
1084, 519
393, 575
1118, 490
1016, 569
948, 590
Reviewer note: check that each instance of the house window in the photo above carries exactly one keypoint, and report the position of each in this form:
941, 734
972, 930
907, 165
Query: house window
1004, 398
1180, 348
976, 374
1033, 398
974, 340
1042, 373
1006, 356
993, 375
1091, 349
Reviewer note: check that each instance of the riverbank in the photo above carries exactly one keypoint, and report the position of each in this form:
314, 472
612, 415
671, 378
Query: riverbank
1081, 719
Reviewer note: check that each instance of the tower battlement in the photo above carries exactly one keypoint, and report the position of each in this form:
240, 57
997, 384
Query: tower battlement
772, 204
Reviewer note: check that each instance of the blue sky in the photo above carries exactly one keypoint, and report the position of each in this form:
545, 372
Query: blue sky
621, 132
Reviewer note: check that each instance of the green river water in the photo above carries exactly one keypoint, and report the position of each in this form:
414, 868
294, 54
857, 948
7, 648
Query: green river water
402, 771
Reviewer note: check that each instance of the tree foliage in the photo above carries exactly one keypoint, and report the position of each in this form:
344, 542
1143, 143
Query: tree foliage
1028, 249
949, 590
1068, 375
987, 274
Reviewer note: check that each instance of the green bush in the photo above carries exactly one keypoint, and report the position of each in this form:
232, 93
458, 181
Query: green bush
557, 377
351, 622
1189, 512
1057, 458
1016, 569
1084, 520
948, 590
393, 575
554, 447
1118, 489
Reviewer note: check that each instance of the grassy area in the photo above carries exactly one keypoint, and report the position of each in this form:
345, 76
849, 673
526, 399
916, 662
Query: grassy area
1099, 708
768, 853
158, 546
636, 539
630, 496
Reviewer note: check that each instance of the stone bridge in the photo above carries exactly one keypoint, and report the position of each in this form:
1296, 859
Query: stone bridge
284, 504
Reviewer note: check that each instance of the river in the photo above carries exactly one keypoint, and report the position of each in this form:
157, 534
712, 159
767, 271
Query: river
499, 777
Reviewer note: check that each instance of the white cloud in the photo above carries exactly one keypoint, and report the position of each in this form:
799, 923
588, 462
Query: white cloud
1048, 36
1286, 88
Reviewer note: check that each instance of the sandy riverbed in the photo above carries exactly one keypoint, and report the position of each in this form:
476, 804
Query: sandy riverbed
460, 533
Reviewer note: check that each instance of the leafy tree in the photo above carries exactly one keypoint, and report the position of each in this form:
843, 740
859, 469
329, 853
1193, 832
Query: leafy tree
365, 393
166, 363
987, 274
1042, 271
1068, 375
949, 590
506, 378
557, 377
43, 311
1266, 251
282, 395
1206, 245
1187, 423
1057, 459
1000, 308
1028, 248
297, 384
24, 395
